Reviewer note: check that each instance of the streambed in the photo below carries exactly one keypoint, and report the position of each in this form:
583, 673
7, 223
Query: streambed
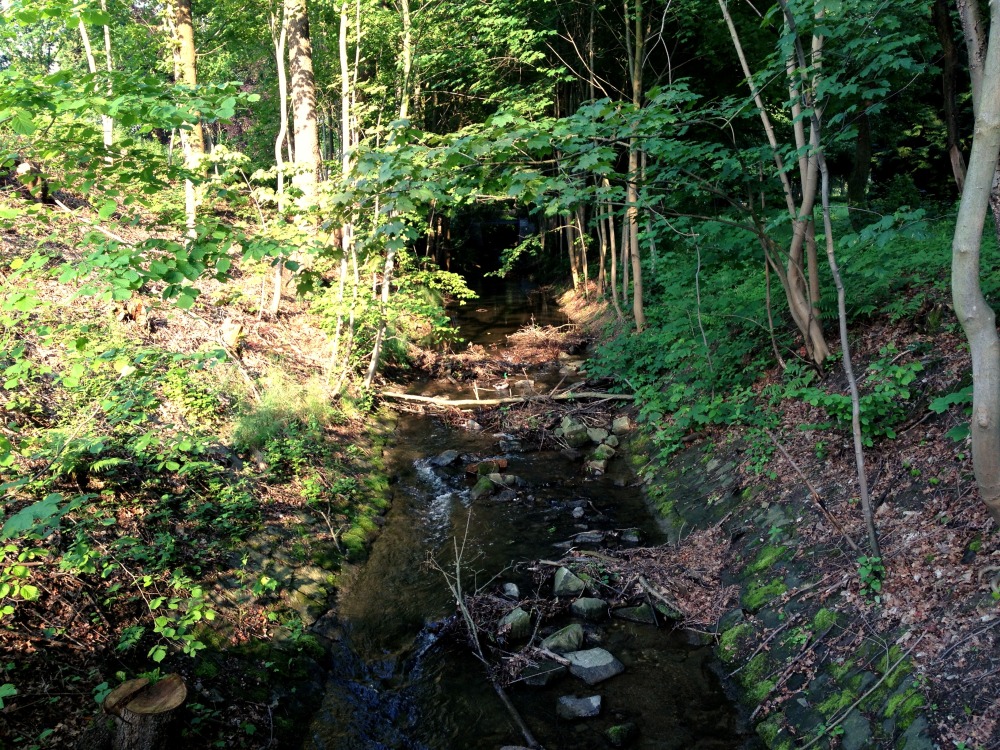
395, 683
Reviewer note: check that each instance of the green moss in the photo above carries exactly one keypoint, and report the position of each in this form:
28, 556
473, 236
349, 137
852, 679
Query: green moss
768, 730
768, 556
904, 705
836, 702
756, 669
758, 691
759, 594
838, 670
824, 619
731, 641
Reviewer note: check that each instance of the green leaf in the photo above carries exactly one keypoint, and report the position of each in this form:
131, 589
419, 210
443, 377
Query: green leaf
29, 593
31, 517
107, 208
22, 124
7, 690
158, 653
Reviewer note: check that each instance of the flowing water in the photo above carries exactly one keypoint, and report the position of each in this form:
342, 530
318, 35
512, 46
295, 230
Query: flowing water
394, 684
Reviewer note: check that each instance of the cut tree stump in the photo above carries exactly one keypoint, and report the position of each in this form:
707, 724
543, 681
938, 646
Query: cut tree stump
143, 712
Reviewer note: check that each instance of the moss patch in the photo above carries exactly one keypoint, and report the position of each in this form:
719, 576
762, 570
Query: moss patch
767, 557
731, 641
759, 594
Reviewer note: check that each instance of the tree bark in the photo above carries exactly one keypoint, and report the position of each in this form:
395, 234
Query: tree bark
949, 79
143, 712
976, 316
305, 129
185, 72
635, 48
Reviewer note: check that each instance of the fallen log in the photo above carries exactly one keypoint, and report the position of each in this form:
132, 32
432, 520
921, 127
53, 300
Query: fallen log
465, 403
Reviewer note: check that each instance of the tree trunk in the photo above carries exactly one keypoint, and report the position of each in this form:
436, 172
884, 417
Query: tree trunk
977, 317
143, 712
949, 79
278, 36
185, 72
974, 31
305, 129
795, 275
636, 50
861, 169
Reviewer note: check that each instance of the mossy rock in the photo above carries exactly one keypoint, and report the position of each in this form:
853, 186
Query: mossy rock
759, 594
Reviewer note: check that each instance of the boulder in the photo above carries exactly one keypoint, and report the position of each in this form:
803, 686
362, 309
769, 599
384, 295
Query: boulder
631, 536
597, 435
590, 609
574, 433
603, 453
483, 487
578, 513
594, 665
511, 591
612, 440
621, 425
543, 673
571, 707
570, 638
447, 458
589, 537
567, 583
643, 613
516, 624
597, 467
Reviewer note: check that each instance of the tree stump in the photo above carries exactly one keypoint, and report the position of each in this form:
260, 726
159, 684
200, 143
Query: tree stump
143, 712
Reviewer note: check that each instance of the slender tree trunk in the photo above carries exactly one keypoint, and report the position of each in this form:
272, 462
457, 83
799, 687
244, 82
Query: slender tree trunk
793, 276
406, 59
949, 85
635, 49
857, 182
278, 35
974, 30
584, 246
977, 317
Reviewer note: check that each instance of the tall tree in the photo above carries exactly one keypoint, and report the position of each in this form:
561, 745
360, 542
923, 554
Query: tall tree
305, 129
976, 316
185, 71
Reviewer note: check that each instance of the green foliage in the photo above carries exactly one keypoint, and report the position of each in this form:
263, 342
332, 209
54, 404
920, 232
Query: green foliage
883, 403
871, 572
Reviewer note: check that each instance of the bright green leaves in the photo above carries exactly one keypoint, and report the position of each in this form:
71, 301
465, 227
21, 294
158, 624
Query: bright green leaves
36, 518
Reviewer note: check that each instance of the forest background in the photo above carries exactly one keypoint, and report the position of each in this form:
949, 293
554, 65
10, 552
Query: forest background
735, 181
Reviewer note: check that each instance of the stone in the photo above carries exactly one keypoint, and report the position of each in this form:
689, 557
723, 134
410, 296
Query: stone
542, 674
590, 609
473, 426
857, 732
511, 591
603, 453
516, 624
597, 435
570, 638
594, 665
447, 458
612, 440
597, 467
578, 513
643, 613
631, 536
915, 737
620, 735
576, 437
589, 537
570, 707
621, 425
483, 487
511, 446
567, 583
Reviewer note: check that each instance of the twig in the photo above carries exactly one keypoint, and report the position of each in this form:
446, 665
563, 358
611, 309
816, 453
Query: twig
107, 233
815, 495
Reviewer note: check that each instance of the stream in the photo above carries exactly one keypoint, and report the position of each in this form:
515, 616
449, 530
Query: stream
394, 683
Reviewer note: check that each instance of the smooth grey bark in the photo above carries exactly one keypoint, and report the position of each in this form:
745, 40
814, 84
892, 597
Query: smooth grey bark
976, 316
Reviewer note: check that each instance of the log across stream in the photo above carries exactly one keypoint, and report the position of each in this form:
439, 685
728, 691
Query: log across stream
397, 682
